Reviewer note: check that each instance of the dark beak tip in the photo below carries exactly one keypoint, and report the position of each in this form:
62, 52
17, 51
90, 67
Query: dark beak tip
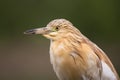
29, 32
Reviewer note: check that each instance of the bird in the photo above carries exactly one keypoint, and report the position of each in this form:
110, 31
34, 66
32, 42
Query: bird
74, 56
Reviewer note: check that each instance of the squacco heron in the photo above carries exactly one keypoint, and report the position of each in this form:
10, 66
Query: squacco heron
73, 56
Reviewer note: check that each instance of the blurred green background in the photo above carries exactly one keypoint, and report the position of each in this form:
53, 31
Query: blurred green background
24, 57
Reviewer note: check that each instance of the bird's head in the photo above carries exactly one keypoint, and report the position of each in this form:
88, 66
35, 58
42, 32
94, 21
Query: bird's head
55, 29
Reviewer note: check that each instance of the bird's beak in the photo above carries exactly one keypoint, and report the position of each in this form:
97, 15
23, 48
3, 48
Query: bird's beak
43, 30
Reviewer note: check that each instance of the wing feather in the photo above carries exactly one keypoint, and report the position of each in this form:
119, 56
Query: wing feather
102, 56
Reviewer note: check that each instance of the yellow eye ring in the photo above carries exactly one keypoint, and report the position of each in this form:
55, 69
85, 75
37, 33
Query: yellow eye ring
57, 28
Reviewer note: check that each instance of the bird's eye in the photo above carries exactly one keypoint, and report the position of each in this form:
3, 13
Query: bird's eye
57, 28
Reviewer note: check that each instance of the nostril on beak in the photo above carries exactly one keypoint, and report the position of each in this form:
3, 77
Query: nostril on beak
31, 31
